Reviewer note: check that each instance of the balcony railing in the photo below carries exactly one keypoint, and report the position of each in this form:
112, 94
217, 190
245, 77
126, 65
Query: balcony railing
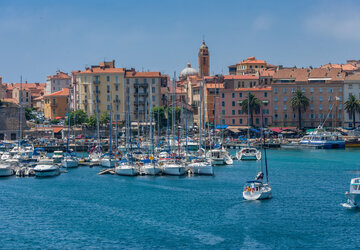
97, 91
96, 81
141, 84
139, 102
96, 101
116, 101
141, 93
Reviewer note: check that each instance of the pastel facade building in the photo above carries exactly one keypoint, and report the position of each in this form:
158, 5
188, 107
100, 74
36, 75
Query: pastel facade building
351, 87
250, 66
56, 104
100, 88
323, 88
29, 92
57, 82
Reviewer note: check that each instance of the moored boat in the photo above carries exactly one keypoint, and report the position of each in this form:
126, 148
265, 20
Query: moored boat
46, 170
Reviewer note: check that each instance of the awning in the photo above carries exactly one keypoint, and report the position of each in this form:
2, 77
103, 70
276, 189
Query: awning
221, 126
58, 117
57, 130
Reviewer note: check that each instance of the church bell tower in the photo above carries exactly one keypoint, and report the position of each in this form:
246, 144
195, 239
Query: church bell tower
204, 60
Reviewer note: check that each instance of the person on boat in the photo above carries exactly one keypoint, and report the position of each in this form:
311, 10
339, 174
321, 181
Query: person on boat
259, 176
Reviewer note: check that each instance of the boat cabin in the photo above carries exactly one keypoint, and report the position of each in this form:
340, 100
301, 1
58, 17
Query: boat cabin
355, 185
253, 186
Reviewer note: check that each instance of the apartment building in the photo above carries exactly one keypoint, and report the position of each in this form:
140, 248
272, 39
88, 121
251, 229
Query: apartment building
56, 104
322, 86
351, 87
99, 88
57, 82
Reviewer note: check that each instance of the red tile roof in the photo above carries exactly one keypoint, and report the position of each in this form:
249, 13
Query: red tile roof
133, 74
60, 75
98, 70
253, 89
63, 92
252, 60
240, 77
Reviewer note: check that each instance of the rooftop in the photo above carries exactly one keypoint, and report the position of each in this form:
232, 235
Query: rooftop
134, 74
63, 92
240, 77
252, 60
60, 75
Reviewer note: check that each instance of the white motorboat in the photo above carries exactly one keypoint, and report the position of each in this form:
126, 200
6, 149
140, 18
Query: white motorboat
256, 190
201, 167
107, 162
58, 156
248, 154
173, 168
219, 156
126, 169
95, 157
69, 162
5, 156
150, 169
45, 160
353, 195
320, 138
46, 170
6, 170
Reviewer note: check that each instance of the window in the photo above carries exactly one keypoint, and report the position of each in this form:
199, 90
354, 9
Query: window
233, 121
312, 107
276, 116
311, 90
284, 107
240, 95
153, 89
239, 111
153, 98
108, 78
108, 98
285, 116
85, 88
127, 81
294, 116
265, 94
222, 95
117, 107
275, 99
303, 90
240, 121
320, 106
85, 107
233, 95
223, 121
284, 90
108, 107
153, 80
145, 80
285, 99
233, 103
330, 98
108, 88
320, 90
257, 120
85, 78
330, 90
330, 106
340, 106
292, 90
223, 104
223, 112
275, 90
275, 107
311, 98
116, 79
233, 112
116, 87
340, 89
320, 98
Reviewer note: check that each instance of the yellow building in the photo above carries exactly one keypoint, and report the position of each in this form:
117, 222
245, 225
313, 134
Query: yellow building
99, 88
56, 104
250, 66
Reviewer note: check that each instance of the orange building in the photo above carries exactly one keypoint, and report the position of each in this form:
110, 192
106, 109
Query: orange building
56, 104
250, 66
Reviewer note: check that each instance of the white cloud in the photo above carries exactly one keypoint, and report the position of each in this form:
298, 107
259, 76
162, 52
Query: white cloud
339, 23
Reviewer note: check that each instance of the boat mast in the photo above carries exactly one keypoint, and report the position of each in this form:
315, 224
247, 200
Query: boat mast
151, 126
200, 116
111, 119
68, 131
248, 108
204, 113
186, 115
20, 114
263, 146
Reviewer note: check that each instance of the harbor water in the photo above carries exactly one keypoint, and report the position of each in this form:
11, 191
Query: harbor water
81, 209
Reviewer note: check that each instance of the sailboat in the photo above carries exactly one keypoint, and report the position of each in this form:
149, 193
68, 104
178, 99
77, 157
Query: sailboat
353, 195
95, 152
108, 160
248, 153
126, 166
69, 161
256, 189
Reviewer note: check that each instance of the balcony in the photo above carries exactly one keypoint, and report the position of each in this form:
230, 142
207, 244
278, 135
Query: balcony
140, 102
116, 101
141, 84
53, 104
96, 81
96, 91
84, 101
96, 101
141, 93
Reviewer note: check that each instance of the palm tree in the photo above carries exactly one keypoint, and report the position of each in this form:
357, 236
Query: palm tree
352, 106
254, 105
299, 102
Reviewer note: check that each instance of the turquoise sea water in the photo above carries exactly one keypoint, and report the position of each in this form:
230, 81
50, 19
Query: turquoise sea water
81, 209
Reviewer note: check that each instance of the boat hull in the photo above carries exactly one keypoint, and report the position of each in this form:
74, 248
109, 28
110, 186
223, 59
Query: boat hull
265, 193
126, 171
174, 170
47, 173
201, 169
151, 170
107, 163
70, 163
6, 171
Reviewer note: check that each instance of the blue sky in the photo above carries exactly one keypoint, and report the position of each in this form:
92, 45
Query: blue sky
39, 37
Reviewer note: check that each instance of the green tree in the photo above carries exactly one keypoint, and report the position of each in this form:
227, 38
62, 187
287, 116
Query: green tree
352, 106
177, 111
253, 104
54, 121
91, 122
28, 114
158, 115
299, 102
104, 119
79, 117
